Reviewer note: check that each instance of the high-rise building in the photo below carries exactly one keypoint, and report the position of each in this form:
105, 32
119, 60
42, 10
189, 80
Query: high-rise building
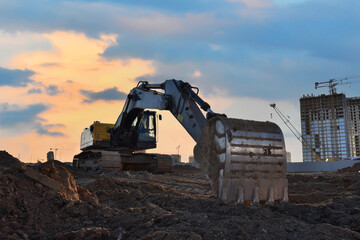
354, 125
326, 126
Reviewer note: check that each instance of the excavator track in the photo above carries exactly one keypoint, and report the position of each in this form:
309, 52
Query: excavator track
164, 163
95, 161
245, 160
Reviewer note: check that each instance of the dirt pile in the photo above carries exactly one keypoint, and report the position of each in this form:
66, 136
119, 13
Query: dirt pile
178, 205
355, 168
7, 161
62, 175
31, 210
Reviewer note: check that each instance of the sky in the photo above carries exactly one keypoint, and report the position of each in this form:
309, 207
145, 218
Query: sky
66, 64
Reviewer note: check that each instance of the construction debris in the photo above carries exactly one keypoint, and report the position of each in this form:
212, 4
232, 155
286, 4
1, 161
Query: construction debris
43, 179
178, 205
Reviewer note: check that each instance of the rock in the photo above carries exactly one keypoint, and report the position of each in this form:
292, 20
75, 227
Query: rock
70, 205
63, 176
43, 179
86, 196
354, 187
148, 224
108, 214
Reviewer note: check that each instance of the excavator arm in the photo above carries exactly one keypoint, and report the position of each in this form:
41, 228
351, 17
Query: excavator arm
244, 160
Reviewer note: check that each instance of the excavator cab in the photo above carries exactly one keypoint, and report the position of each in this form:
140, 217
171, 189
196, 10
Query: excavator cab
146, 134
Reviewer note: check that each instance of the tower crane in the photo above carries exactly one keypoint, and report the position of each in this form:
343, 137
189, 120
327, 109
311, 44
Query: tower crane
296, 133
334, 82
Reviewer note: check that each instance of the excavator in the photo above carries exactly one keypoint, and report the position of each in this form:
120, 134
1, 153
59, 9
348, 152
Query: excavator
244, 160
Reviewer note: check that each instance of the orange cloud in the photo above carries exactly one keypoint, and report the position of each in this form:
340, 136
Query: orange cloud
75, 63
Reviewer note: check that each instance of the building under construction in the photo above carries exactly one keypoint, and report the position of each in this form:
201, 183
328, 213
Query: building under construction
330, 125
353, 105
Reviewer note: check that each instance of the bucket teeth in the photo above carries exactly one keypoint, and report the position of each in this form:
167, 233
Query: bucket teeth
271, 197
285, 195
256, 196
232, 153
221, 193
240, 198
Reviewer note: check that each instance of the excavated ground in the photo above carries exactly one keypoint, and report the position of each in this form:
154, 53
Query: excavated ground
178, 205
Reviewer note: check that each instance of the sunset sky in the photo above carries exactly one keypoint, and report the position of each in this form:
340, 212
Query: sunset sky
65, 64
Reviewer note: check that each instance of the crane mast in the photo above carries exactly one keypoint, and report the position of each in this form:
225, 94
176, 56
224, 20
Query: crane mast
296, 133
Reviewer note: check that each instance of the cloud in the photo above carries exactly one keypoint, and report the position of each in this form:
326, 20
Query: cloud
184, 37
9, 107
52, 90
44, 130
197, 73
254, 3
50, 65
214, 47
177, 6
80, 67
10, 118
15, 77
25, 119
104, 17
110, 94
34, 91
12, 43
158, 31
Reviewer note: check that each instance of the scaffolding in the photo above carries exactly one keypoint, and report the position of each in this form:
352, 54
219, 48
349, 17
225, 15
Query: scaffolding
324, 126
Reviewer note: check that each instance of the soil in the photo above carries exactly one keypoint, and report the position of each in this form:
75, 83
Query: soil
177, 205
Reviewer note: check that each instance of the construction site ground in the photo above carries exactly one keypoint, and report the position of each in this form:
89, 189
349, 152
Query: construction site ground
54, 201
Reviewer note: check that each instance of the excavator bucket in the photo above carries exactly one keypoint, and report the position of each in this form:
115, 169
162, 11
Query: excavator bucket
245, 160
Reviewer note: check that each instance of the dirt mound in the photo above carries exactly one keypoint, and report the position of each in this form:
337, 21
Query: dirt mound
62, 175
30, 209
136, 205
6, 160
354, 168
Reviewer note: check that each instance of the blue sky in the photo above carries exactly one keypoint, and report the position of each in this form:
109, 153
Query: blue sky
269, 50
283, 41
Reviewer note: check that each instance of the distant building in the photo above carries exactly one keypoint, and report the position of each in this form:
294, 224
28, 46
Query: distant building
330, 125
354, 125
191, 159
